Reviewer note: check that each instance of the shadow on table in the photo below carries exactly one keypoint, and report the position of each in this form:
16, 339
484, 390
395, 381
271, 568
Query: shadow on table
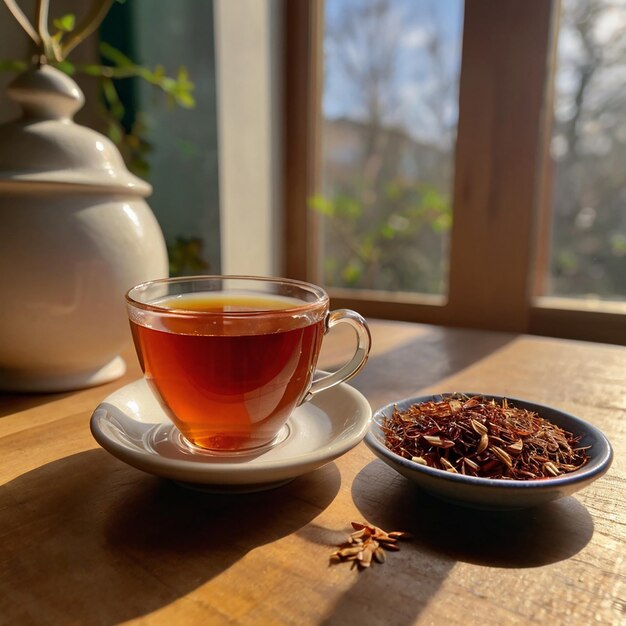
531, 537
89, 540
423, 361
11, 403
442, 535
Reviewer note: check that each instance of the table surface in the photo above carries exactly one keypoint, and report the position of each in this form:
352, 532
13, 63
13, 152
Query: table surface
85, 539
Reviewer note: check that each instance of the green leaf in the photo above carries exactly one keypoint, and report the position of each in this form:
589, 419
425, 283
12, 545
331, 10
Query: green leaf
114, 55
366, 246
387, 232
66, 66
167, 84
322, 205
113, 99
92, 70
12, 65
186, 100
351, 273
393, 190
183, 75
349, 207
434, 200
139, 167
185, 255
66, 23
618, 244
566, 261
442, 224
115, 134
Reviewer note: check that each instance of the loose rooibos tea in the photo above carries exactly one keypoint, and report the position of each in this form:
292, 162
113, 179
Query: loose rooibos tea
481, 437
366, 544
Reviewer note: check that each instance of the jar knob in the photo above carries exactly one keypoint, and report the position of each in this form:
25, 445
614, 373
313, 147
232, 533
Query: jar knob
46, 93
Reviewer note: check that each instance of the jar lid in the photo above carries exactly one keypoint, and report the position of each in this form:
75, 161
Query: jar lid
45, 147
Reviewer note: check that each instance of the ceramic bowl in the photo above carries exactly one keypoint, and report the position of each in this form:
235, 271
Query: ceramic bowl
489, 493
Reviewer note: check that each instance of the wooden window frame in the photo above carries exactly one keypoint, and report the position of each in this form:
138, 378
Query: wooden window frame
501, 204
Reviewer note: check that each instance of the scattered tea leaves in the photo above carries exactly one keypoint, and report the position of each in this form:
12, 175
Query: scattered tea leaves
367, 544
479, 436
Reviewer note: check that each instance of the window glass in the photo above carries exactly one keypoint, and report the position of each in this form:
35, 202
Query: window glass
588, 150
389, 118
176, 148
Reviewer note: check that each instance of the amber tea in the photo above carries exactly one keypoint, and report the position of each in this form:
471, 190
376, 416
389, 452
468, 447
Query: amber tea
229, 384
230, 357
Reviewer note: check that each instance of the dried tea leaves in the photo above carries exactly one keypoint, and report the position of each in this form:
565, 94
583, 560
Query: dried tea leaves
481, 437
367, 544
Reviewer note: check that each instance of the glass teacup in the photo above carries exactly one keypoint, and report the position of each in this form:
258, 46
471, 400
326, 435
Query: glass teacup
230, 357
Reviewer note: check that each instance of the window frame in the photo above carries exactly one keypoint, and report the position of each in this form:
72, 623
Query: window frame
505, 114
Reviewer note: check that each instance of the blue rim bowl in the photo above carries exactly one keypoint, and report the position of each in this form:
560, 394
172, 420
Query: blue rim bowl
491, 493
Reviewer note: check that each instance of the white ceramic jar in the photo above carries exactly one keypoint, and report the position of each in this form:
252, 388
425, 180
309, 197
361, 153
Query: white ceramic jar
75, 235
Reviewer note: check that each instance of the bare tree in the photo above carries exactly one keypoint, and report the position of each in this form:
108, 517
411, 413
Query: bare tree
380, 227
589, 225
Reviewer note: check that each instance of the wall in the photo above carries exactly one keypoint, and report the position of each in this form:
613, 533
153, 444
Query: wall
248, 70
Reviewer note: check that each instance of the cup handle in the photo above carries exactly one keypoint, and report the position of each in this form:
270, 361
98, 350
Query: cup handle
352, 367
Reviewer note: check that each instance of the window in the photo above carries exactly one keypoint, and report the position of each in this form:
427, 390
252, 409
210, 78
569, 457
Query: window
180, 153
503, 176
588, 149
225, 217
388, 128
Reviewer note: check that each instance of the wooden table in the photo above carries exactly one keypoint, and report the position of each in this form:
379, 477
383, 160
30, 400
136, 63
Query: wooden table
84, 539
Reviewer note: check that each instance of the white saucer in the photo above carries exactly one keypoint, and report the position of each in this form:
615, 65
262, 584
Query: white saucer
131, 425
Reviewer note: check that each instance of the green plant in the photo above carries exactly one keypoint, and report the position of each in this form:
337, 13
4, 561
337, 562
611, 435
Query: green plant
386, 234
54, 49
185, 256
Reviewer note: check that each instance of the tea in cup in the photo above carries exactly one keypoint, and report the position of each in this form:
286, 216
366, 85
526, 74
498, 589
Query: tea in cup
231, 357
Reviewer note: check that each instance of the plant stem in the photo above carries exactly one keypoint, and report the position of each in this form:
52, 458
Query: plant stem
42, 19
23, 21
50, 50
91, 22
